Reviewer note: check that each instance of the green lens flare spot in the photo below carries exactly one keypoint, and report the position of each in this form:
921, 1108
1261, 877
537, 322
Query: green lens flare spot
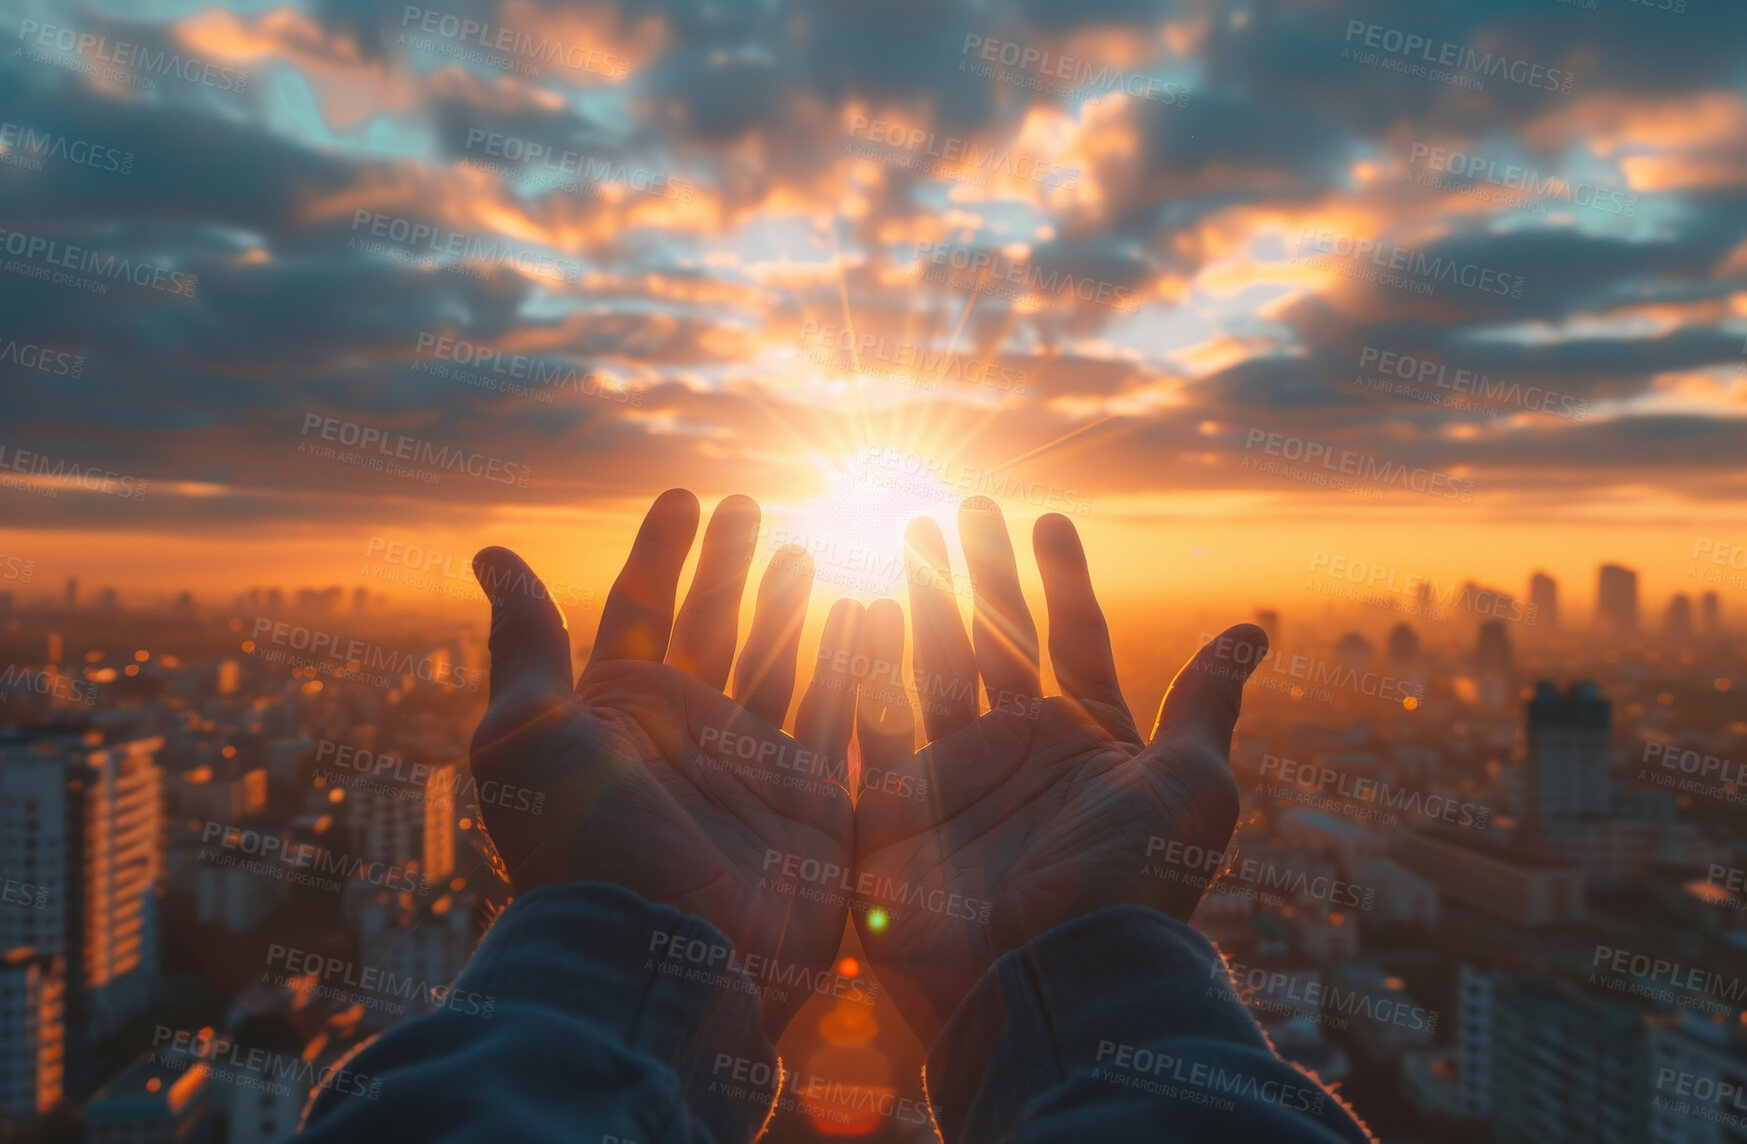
876, 920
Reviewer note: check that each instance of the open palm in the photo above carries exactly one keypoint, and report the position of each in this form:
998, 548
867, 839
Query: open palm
1044, 809
647, 774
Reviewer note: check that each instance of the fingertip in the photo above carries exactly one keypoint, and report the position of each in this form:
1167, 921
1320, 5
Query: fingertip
1244, 645
677, 508
923, 536
978, 503
885, 612
737, 504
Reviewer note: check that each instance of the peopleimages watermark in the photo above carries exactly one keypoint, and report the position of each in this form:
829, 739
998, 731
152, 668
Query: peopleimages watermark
1326, 786
65, 264
523, 49
57, 472
53, 684
996, 275
1198, 1082
1477, 177
784, 763
29, 355
220, 1054
1290, 994
301, 863
1714, 1097
1348, 467
397, 454
1730, 561
1261, 877
28, 894
1423, 379
356, 659
718, 964
1058, 76
1688, 986
571, 172
1344, 571
951, 156
819, 880
427, 245
1733, 880
339, 979
936, 478
449, 574
451, 779
821, 1098
1696, 773
906, 363
117, 61
1308, 671
17, 569
1388, 263
26, 147
1444, 61
523, 375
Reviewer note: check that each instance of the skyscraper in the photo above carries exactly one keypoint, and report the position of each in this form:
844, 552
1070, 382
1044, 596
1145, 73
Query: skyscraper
1544, 599
83, 822
1403, 647
1492, 663
1567, 755
1712, 615
1567, 1067
1677, 623
32, 1035
1616, 601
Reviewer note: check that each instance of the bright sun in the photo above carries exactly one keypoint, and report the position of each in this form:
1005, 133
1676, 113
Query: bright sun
855, 528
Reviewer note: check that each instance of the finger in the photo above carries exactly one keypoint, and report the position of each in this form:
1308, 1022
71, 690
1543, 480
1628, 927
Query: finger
1204, 700
764, 679
826, 719
708, 625
1079, 637
529, 646
638, 614
945, 668
884, 725
1003, 631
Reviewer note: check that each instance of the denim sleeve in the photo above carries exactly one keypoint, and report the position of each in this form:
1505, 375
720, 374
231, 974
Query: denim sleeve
580, 1038
1121, 1025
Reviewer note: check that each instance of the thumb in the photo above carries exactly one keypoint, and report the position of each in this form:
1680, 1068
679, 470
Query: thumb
1204, 700
529, 645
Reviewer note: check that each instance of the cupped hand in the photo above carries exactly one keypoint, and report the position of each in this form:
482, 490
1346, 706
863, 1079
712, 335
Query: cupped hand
1043, 809
647, 774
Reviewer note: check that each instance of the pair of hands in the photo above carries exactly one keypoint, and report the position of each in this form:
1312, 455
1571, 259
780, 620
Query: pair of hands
1002, 827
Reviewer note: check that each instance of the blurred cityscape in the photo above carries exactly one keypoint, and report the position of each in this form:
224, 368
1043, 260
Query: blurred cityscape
1488, 882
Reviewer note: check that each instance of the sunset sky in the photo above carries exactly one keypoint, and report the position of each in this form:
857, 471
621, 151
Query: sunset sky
1198, 228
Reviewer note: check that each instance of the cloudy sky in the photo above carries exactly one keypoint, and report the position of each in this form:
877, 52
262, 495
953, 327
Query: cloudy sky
1458, 287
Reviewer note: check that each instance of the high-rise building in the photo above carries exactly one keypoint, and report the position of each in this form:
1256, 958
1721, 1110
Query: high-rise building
1492, 663
32, 1036
1475, 991
1567, 1067
1616, 601
1566, 757
1698, 1070
1403, 647
410, 825
1269, 621
1677, 622
1711, 612
72, 592
1353, 651
83, 821
1544, 600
